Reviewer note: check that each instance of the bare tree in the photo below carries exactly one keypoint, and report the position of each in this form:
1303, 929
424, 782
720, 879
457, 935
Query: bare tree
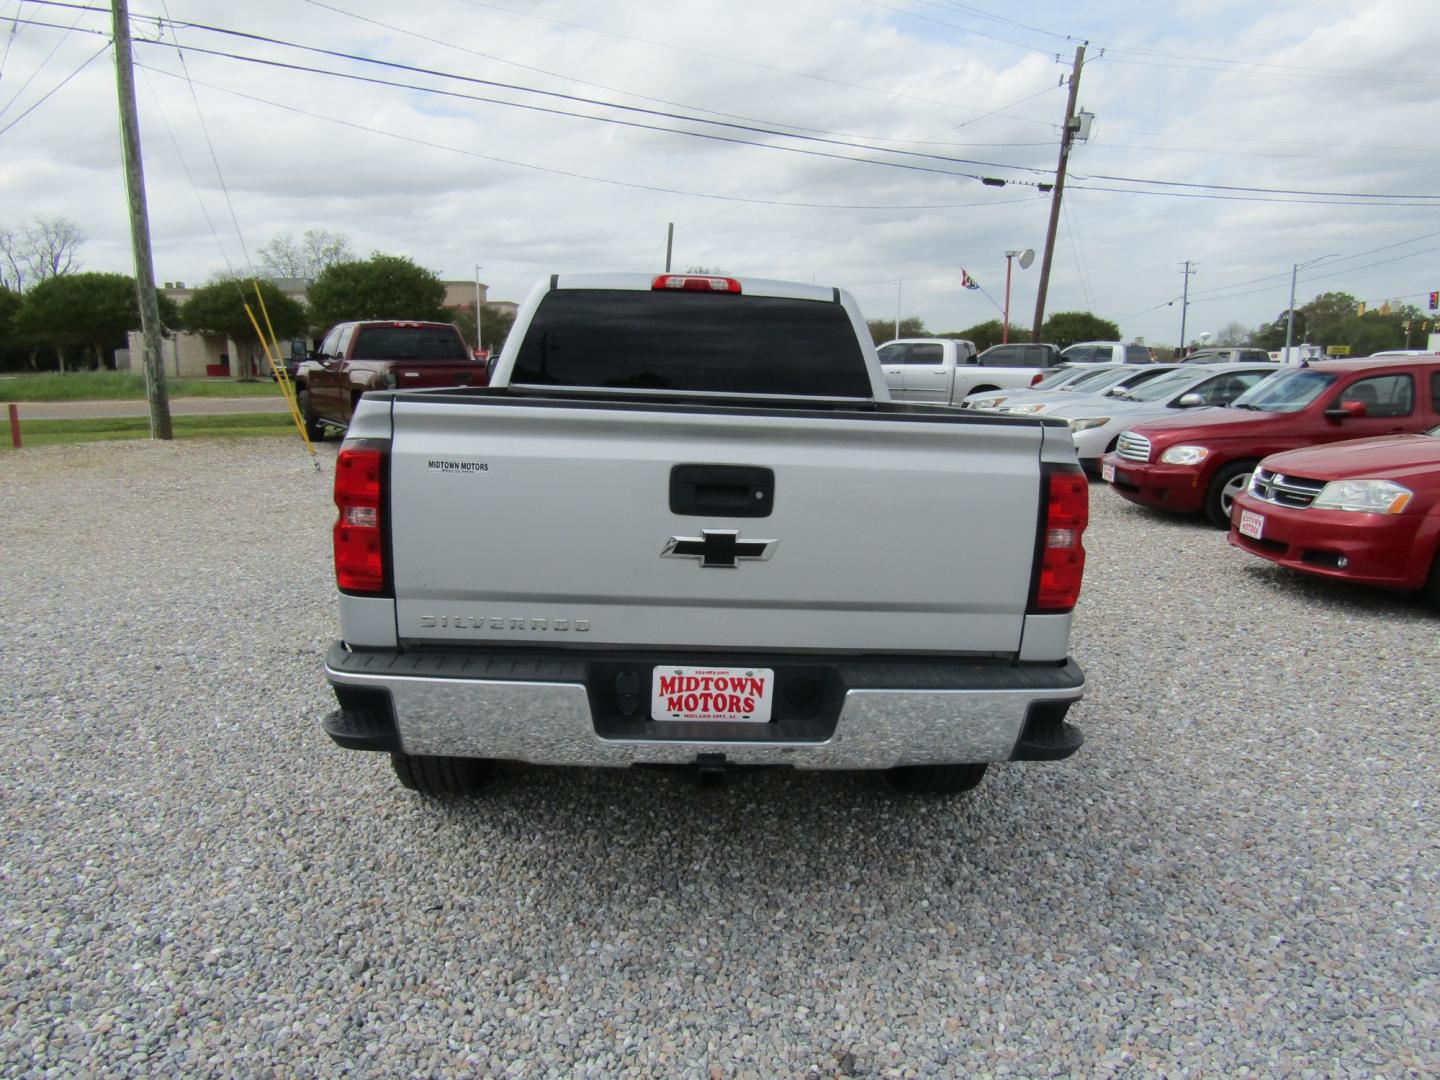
1233, 333
287, 257
46, 248
12, 271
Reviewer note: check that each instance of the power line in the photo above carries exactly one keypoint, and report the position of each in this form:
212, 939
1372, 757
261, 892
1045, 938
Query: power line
745, 63
1251, 198
644, 97
49, 93
16, 22
569, 173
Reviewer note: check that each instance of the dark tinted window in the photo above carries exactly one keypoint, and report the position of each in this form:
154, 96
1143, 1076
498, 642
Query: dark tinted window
409, 343
673, 340
1435, 391
1037, 356
1079, 354
1002, 356
927, 354
893, 354
1137, 354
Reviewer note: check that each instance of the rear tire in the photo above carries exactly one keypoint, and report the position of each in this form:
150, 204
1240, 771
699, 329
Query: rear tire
1230, 481
314, 429
441, 777
936, 779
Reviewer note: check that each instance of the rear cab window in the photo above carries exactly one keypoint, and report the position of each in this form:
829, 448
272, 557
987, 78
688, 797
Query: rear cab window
416, 343
679, 340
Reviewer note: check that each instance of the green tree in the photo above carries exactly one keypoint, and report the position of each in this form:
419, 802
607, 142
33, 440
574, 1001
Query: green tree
990, 332
380, 287
883, 330
92, 311
1065, 328
219, 308
1328, 316
495, 322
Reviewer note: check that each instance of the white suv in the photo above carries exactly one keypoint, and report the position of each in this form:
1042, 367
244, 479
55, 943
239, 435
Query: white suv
1107, 352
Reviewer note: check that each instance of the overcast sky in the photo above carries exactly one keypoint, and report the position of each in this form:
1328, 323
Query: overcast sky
1311, 96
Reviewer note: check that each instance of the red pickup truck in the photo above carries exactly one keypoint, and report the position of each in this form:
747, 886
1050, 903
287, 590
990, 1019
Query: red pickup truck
379, 355
1199, 462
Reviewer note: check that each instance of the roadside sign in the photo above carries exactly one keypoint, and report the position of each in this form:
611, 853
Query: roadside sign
1337, 350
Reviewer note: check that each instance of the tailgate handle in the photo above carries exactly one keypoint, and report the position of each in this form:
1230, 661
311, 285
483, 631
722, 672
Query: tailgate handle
721, 490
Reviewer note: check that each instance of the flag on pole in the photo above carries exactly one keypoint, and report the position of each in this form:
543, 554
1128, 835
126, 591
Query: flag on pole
968, 281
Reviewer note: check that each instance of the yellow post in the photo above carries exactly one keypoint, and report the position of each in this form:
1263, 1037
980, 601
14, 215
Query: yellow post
289, 395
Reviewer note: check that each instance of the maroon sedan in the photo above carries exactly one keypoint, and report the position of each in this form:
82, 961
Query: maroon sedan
1366, 511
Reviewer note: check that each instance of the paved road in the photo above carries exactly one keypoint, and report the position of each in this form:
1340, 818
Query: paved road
188, 406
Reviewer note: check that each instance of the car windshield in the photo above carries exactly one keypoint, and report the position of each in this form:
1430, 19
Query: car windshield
1134, 379
1159, 388
1095, 381
1060, 377
1285, 391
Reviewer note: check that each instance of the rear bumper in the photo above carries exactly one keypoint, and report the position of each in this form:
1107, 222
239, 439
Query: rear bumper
562, 710
1377, 549
1166, 487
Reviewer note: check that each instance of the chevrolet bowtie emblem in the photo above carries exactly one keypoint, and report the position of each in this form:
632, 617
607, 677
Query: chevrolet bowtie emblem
717, 547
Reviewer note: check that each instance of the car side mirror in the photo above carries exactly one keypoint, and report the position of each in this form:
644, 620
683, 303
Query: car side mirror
297, 350
1347, 410
1190, 401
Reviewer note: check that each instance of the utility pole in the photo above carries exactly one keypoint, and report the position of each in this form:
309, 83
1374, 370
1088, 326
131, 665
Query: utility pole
140, 226
1067, 135
1184, 305
669, 244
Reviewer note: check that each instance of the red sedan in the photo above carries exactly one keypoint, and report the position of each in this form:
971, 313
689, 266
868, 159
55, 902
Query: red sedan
1366, 511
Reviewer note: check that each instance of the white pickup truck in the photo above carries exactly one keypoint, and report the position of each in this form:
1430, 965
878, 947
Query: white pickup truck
666, 533
942, 371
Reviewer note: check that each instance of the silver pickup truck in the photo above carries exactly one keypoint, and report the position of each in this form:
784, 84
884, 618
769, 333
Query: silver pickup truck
686, 525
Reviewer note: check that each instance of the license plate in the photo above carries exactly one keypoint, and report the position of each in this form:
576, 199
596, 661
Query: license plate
1107, 472
1251, 524
712, 694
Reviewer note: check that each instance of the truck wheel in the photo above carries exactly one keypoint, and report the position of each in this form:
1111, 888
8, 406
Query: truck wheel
936, 779
314, 429
1230, 481
441, 777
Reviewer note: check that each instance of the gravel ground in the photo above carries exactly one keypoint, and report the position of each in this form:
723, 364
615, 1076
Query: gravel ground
1236, 876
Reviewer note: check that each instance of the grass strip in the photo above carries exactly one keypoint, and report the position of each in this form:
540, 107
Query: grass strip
120, 386
237, 425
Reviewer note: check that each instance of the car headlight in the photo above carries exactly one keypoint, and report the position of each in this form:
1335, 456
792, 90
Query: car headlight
983, 403
1363, 496
1085, 423
1024, 410
1184, 455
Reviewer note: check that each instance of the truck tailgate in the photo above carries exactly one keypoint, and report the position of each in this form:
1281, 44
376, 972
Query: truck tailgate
534, 522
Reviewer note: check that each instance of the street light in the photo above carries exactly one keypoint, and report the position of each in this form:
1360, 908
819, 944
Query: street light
897, 309
1026, 258
478, 346
1290, 313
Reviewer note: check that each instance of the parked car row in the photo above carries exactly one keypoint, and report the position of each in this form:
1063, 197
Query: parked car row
1330, 468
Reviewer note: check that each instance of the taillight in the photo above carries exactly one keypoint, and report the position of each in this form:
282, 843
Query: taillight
1038, 376
696, 283
1062, 550
360, 526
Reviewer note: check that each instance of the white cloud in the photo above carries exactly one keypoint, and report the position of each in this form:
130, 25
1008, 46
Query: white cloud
1308, 121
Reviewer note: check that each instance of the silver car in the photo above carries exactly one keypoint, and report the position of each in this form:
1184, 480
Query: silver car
1097, 420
